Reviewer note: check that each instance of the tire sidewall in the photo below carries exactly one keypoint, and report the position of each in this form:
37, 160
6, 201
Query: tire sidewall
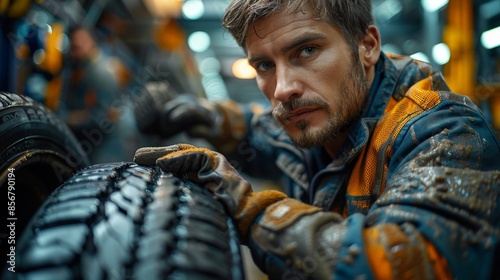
39, 151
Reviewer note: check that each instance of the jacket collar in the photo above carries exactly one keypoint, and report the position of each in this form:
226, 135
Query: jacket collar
383, 85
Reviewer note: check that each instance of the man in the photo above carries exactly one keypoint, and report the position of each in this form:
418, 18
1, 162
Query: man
388, 174
87, 105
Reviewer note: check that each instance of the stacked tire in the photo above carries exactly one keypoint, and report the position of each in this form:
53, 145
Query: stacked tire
38, 153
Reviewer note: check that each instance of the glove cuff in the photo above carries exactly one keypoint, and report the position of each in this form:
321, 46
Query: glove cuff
234, 121
252, 206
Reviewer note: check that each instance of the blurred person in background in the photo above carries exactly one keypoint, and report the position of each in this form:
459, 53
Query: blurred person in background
387, 174
87, 106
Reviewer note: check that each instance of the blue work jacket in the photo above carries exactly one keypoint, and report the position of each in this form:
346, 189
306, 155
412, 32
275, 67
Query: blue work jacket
411, 124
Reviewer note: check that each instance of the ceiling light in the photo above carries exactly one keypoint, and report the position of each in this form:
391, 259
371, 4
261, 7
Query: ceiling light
215, 88
388, 9
491, 38
193, 9
242, 70
39, 56
209, 64
199, 41
441, 53
433, 5
164, 8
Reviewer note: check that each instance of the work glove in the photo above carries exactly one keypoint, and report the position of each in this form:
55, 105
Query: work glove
148, 103
212, 171
197, 116
281, 231
221, 123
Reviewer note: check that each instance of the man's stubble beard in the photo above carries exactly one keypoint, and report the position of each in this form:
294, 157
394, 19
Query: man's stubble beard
354, 89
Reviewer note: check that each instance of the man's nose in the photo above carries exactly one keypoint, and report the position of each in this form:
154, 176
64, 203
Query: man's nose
288, 85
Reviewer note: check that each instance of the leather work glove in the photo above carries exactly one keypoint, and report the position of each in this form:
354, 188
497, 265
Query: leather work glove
196, 116
214, 172
221, 123
281, 231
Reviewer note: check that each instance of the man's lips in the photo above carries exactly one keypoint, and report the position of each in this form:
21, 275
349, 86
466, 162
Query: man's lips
299, 113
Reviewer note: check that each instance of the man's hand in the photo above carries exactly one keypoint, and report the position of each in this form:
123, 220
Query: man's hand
288, 230
196, 116
202, 166
211, 170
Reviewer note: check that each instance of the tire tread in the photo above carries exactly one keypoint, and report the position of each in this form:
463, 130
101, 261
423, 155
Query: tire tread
123, 221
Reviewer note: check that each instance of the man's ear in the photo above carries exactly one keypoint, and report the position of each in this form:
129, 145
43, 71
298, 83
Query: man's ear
369, 47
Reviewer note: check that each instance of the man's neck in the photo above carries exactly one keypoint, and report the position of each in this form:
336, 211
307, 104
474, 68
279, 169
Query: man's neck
333, 147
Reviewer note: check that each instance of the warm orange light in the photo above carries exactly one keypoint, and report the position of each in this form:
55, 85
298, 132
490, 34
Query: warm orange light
164, 8
53, 56
169, 35
242, 70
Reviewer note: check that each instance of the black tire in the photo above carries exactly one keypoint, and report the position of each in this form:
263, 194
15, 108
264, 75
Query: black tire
40, 151
124, 221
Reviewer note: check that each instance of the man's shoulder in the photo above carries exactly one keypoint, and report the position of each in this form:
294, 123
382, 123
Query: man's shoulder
406, 72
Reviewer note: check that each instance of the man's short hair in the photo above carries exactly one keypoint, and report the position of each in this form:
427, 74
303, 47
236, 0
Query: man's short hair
352, 17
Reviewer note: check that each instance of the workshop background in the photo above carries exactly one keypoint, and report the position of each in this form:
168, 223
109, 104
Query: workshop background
174, 47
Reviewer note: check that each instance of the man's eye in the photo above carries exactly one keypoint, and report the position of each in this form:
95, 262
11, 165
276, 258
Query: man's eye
307, 51
264, 66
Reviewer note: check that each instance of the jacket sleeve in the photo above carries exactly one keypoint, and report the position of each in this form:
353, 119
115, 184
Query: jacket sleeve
437, 218
413, 232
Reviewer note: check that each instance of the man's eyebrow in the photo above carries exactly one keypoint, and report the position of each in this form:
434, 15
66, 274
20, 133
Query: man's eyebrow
295, 43
302, 40
254, 59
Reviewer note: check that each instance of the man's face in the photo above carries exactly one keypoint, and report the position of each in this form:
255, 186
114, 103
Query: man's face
82, 45
307, 71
